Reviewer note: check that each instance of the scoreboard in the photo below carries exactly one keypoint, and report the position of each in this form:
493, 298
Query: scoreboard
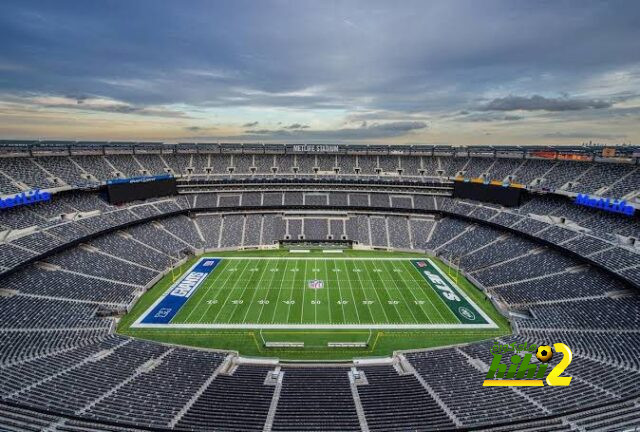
507, 196
139, 188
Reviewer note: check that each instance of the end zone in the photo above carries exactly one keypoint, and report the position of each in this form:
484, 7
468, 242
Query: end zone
460, 304
167, 306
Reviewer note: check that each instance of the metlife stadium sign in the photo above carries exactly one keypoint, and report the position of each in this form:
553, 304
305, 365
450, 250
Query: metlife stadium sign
315, 148
606, 204
24, 198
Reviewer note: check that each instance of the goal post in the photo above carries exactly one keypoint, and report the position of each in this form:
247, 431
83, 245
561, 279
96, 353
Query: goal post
174, 271
453, 267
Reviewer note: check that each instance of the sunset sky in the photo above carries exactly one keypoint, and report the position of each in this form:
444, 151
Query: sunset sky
407, 72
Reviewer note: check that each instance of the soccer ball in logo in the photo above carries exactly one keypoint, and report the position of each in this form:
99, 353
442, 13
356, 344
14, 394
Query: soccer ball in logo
544, 353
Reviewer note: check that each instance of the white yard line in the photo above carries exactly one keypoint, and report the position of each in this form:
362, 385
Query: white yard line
421, 283
293, 287
403, 296
268, 292
353, 296
304, 288
405, 299
395, 306
344, 315
361, 288
279, 291
217, 292
215, 319
315, 295
384, 311
364, 290
326, 271
244, 289
207, 285
255, 291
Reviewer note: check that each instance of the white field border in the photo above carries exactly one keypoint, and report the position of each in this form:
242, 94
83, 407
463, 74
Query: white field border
317, 326
254, 326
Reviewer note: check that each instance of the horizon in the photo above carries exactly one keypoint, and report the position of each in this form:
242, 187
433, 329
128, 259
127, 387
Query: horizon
453, 73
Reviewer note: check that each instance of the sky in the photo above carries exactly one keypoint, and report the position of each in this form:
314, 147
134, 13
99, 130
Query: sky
446, 72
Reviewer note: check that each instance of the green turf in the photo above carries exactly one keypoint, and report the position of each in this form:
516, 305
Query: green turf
258, 290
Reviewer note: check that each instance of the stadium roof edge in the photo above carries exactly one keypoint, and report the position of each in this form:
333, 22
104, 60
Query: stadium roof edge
593, 150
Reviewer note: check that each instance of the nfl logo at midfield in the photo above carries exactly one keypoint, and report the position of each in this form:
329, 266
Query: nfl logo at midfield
316, 284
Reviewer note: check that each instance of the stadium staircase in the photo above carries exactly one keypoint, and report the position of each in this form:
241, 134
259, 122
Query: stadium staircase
404, 367
271, 415
144, 368
358, 403
66, 370
196, 395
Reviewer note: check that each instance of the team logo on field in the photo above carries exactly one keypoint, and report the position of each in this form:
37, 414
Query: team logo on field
421, 264
316, 284
208, 263
465, 312
162, 313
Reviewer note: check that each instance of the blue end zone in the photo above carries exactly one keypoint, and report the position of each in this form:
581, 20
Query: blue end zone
169, 305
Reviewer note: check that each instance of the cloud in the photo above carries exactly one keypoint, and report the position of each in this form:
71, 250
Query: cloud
359, 116
297, 126
395, 127
251, 124
584, 135
260, 131
200, 128
87, 103
364, 131
541, 103
485, 117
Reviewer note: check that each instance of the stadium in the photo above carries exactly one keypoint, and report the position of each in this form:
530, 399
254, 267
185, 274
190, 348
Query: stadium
284, 287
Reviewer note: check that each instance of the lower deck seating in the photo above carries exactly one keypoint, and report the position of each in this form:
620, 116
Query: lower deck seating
316, 399
232, 403
399, 402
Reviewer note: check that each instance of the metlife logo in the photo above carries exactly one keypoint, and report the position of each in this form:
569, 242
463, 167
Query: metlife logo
606, 204
24, 198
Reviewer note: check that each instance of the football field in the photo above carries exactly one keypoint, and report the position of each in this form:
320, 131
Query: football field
314, 292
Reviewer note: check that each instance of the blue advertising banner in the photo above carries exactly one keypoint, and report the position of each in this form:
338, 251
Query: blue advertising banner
606, 204
24, 198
